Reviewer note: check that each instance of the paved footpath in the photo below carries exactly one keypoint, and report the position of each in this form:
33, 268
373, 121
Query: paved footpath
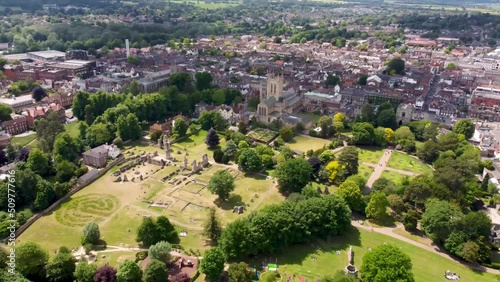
378, 169
389, 232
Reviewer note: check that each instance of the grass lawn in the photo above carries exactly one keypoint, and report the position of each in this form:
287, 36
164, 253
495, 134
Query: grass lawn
415, 237
403, 161
24, 140
208, 5
115, 258
298, 260
303, 143
394, 176
119, 207
370, 154
72, 129
365, 171
313, 117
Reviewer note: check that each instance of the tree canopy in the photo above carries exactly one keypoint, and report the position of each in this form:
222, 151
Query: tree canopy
386, 263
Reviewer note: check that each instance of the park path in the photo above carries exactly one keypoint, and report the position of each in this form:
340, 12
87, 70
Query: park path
378, 169
389, 231
405, 172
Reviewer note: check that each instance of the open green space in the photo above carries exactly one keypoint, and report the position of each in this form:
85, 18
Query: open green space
298, 260
72, 129
303, 143
24, 140
365, 171
393, 176
312, 116
370, 154
403, 161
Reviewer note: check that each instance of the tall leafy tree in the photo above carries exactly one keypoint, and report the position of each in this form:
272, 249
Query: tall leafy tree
293, 175
61, 268
465, 127
66, 148
249, 160
239, 272
5, 112
349, 158
85, 272
180, 127
38, 162
230, 149
31, 260
129, 271
105, 273
351, 193
212, 263
182, 81
212, 227
438, 220
148, 233
212, 138
38, 93
221, 184
211, 119
166, 230
160, 251
156, 271
79, 103
65, 171
387, 263
377, 207
47, 130
91, 234
203, 80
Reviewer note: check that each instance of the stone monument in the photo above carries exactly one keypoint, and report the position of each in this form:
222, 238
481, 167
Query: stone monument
205, 160
185, 162
166, 146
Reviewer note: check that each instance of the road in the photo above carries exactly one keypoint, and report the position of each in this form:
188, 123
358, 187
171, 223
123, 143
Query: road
378, 169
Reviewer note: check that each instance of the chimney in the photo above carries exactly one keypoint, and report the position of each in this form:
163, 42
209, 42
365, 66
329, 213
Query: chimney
127, 47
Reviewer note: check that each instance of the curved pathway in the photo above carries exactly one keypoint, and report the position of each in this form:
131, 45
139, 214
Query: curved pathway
389, 231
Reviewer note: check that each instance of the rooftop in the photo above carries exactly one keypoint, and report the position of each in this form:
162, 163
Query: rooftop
16, 100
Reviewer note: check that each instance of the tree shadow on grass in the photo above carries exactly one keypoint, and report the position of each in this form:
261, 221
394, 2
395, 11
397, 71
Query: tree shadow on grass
234, 200
386, 221
296, 254
255, 176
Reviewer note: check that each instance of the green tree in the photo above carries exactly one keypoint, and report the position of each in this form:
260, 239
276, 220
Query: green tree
81, 100
249, 160
182, 81
332, 80
98, 134
212, 263
470, 251
44, 195
349, 159
180, 127
31, 260
386, 263
396, 204
326, 125
47, 130
66, 148
230, 149
211, 119
395, 66
367, 113
65, 170
61, 268
438, 220
85, 272
38, 93
38, 162
465, 127
387, 118
212, 227
351, 193
362, 79
293, 174
242, 127
377, 207
134, 87
429, 152
212, 138
410, 220
133, 60
286, 133
221, 184
166, 230
238, 272
91, 234
156, 271
203, 80
148, 233
129, 272
160, 251
5, 112
129, 127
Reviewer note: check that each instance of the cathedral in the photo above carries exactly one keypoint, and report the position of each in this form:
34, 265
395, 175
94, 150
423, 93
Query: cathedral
277, 103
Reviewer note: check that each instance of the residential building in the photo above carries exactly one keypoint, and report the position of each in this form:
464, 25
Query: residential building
17, 103
96, 157
154, 81
15, 126
485, 103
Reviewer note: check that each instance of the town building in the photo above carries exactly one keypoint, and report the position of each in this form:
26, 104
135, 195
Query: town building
15, 126
17, 103
485, 103
98, 156
275, 101
154, 81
